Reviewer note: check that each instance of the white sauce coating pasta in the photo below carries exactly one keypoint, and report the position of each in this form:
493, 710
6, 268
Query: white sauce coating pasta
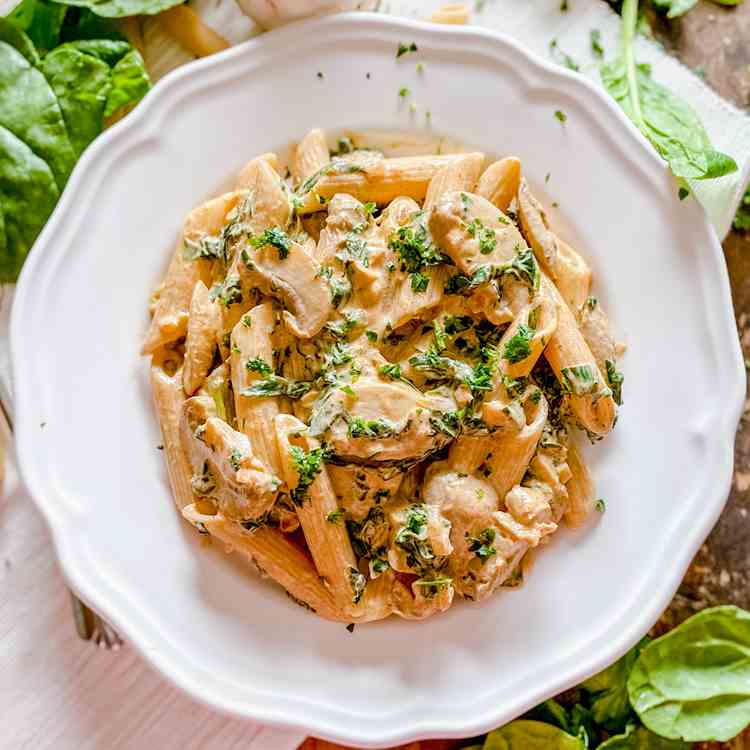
383, 356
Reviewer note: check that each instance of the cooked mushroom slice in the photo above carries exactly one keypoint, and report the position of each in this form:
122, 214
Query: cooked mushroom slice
483, 555
296, 280
225, 468
383, 422
473, 232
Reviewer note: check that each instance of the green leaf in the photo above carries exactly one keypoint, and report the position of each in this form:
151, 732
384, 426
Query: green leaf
670, 124
30, 110
80, 83
19, 40
608, 690
130, 83
41, 20
550, 712
640, 738
122, 8
531, 735
674, 8
694, 682
28, 193
110, 51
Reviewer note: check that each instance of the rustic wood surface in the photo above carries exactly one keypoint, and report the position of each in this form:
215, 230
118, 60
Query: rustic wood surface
715, 42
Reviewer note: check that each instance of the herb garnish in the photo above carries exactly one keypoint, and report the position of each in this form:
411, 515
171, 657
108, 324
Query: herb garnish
274, 236
404, 49
308, 466
335, 515
370, 428
259, 365
229, 292
518, 347
615, 379
481, 545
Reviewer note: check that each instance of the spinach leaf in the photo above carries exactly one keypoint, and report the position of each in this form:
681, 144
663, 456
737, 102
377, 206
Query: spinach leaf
694, 682
122, 8
674, 8
110, 51
531, 735
129, 83
41, 20
28, 193
669, 123
80, 83
16, 38
742, 218
29, 109
640, 738
608, 691
550, 712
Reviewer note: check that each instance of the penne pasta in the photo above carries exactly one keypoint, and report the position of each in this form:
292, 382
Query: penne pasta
310, 156
372, 179
365, 385
304, 470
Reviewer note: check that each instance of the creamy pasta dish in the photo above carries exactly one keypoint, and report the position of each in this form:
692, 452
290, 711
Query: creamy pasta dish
369, 370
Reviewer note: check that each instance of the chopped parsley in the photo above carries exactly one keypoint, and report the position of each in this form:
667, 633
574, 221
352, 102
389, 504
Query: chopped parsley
370, 428
600, 506
340, 287
308, 466
419, 282
342, 328
259, 365
524, 267
596, 43
481, 545
335, 515
355, 248
518, 347
432, 586
615, 379
235, 459
591, 302
227, 293
275, 385
404, 92
412, 538
457, 324
562, 58
405, 49
358, 583
276, 237
208, 246
414, 246
486, 237
247, 320
580, 380
560, 115
393, 372
372, 336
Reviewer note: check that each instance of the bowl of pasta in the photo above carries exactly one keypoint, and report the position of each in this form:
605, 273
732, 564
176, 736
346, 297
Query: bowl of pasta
352, 320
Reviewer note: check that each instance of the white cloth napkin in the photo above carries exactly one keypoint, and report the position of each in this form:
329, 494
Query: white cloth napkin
536, 23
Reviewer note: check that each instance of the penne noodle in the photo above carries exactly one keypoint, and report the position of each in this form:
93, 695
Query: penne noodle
172, 309
455, 14
254, 415
581, 490
166, 383
183, 24
577, 370
460, 174
500, 181
373, 179
315, 499
200, 342
310, 155
276, 555
501, 458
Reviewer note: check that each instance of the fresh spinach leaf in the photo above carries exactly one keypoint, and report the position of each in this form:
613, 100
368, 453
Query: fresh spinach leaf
110, 51
15, 37
674, 8
80, 82
28, 194
531, 735
669, 123
608, 691
694, 682
30, 110
122, 8
41, 20
129, 83
640, 738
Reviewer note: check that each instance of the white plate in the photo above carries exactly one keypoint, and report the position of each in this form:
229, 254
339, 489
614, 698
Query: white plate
87, 435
